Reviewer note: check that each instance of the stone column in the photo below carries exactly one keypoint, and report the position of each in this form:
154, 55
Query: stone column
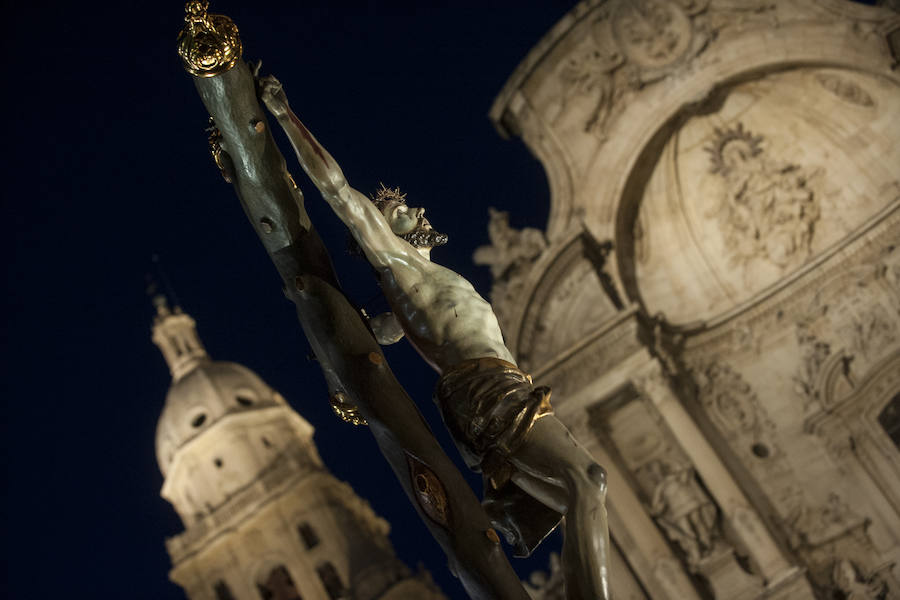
735, 507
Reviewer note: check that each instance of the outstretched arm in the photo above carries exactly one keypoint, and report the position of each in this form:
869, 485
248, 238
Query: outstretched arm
365, 221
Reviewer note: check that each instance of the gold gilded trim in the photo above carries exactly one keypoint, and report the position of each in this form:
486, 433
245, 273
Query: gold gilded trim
215, 148
346, 411
208, 45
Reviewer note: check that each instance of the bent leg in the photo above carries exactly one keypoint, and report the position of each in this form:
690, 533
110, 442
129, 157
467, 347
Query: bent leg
553, 468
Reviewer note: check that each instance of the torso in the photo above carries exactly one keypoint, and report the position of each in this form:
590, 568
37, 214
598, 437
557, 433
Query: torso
441, 313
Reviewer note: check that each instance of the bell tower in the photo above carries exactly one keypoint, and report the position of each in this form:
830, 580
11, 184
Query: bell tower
263, 517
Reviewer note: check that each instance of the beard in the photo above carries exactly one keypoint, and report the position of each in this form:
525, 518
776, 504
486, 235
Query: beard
423, 236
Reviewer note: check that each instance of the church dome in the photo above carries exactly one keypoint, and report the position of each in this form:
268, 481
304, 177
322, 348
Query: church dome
202, 397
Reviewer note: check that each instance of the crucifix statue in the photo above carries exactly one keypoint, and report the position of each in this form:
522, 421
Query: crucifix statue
534, 469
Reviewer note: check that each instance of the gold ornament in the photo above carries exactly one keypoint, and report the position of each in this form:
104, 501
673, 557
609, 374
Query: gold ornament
346, 410
430, 492
215, 148
209, 44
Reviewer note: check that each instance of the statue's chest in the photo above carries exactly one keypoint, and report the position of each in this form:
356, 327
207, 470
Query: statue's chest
419, 297
407, 289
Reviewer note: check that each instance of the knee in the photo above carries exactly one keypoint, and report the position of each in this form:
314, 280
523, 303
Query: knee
590, 480
597, 475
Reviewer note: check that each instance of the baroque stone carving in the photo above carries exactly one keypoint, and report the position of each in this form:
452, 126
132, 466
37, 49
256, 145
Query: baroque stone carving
547, 586
731, 401
633, 43
768, 208
845, 89
682, 509
656, 33
814, 354
850, 320
591, 73
812, 526
855, 584
867, 326
874, 253
735, 410
509, 256
741, 14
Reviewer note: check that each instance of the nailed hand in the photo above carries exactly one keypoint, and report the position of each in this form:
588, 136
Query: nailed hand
272, 95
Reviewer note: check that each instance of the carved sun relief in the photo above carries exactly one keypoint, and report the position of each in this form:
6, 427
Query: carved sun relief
768, 208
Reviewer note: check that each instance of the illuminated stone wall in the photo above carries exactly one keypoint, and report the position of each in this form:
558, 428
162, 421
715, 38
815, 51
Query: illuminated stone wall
716, 296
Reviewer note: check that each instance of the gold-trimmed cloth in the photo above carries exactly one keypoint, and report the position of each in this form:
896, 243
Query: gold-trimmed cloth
489, 405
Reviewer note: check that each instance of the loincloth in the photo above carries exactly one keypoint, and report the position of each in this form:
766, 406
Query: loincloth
489, 406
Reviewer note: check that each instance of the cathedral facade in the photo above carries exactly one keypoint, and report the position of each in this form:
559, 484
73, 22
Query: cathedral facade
716, 297
263, 517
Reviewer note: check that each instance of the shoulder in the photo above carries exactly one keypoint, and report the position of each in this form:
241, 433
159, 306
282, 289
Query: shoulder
402, 260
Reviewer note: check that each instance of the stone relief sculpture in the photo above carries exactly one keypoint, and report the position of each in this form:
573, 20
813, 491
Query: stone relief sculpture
510, 248
633, 43
856, 585
731, 401
867, 326
825, 535
590, 73
810, 526
854, 320
734, 408
509, 256
547, 586
768, 208
656, 33
845, 89
682, 509
815, 353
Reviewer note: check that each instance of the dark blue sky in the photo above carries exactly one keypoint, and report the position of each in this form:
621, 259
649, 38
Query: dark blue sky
107, 165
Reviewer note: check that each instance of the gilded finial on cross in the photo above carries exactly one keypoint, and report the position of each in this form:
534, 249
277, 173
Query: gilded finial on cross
209, 45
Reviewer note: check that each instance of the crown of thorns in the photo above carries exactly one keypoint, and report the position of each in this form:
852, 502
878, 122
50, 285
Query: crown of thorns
384, 195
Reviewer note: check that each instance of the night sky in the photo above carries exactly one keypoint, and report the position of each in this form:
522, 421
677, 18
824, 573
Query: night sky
107, 166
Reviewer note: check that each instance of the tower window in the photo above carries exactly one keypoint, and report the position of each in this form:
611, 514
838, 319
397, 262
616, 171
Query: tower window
198, 420
223, 592
244, 400
308, 534
218, 462
331, 580
278, 586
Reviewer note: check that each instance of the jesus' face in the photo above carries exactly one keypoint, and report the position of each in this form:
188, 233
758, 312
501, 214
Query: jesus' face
410, 224
402, 218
